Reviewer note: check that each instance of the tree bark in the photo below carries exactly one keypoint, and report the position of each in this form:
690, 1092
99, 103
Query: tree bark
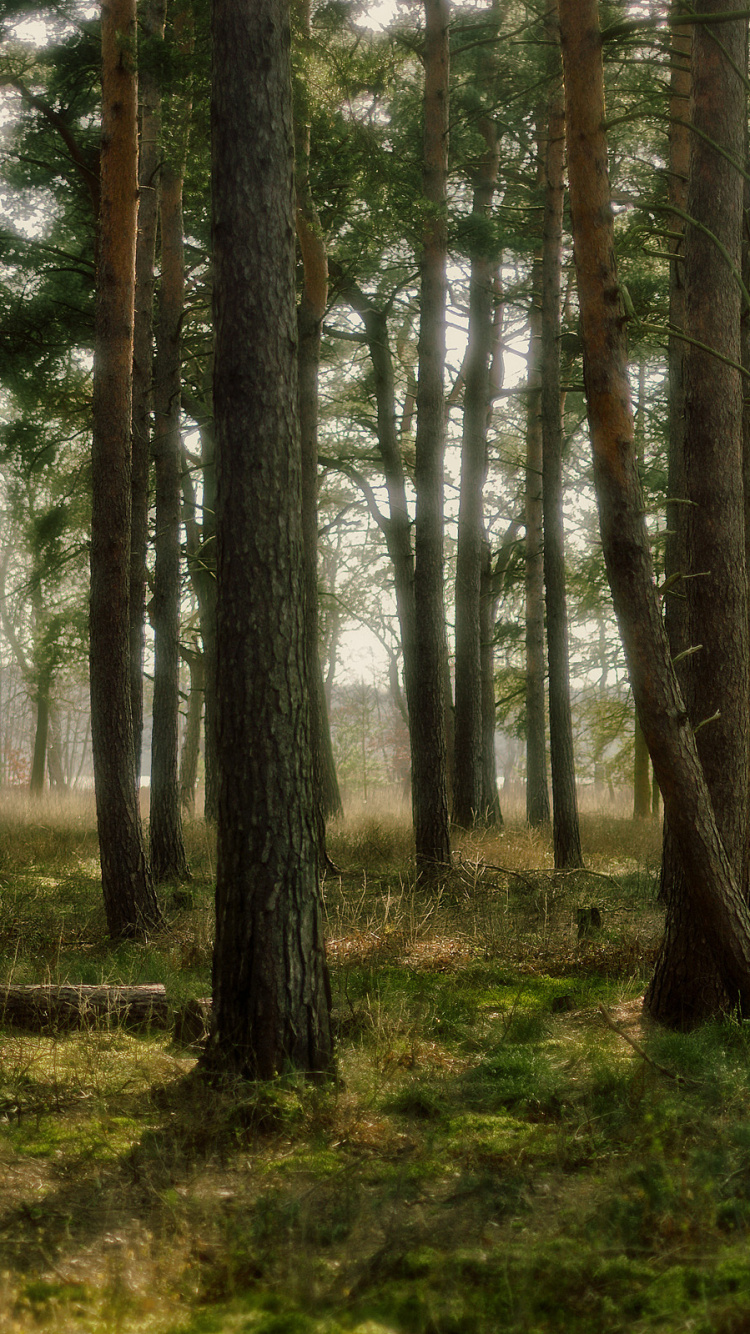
168, 860
712, 888
641, 775
566, 837
43, 1008
310, 312
468, 771
428, 742
201, 563
271, 997
129, 898
39, 758
716, 678
191, 739
153, 20
537, 792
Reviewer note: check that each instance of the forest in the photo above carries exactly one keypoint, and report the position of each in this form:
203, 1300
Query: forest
374, 666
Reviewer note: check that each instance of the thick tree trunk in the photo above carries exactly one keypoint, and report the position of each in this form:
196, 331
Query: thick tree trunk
716, 678
129, 898
271, 998
191, 740
153, 20
713, 890
566, 836
468, 773
537, 792
427, 718
168, 860
43, 1008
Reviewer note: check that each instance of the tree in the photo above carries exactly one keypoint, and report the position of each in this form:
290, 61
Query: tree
271, 1005
566, 837
129, 898
427, 719
712, 890
716, 676
168, 860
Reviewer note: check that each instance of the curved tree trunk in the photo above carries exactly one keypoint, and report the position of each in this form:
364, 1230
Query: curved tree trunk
713, 890
271, 998
427, 718
566, 836
129, 898
153, 20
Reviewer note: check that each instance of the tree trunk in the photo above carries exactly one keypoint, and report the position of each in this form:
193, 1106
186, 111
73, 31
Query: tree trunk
191, 740
428, 743
310, 312
153, 20
566, 836
468, 772
39, 759
201, 563
271, 997
713, 891
487, 611
537, 793
716, 678
43, 1008
168, 860
129, 898
641, 775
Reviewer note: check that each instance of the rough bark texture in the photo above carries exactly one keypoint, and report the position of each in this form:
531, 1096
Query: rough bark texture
487, 613
129, 899
427, 718
566, 836
168, 860
537, 792
468, 786
271, 998
712, 530
42, 1008
712, 888
153, 20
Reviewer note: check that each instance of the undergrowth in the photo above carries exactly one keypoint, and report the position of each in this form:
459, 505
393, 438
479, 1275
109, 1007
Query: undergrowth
493, 1155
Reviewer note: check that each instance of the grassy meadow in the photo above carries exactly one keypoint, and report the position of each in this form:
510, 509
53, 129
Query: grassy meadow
507, 1147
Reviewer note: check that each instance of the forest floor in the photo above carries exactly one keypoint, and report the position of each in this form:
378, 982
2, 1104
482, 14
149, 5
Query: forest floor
495, 1155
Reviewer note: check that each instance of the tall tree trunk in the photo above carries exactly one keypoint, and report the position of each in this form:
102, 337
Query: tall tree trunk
487, 615
641, 757
271, 998
153, 20
716, 678
713, 890
129, 898
428, 743
310, 312
468, 772
168, 860
537, 792
566, 836
201, 563
191, 740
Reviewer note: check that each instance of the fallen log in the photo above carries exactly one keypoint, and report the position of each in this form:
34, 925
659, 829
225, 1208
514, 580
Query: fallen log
46, 1007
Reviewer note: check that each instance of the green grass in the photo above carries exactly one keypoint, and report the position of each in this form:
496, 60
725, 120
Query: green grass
491, 1157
